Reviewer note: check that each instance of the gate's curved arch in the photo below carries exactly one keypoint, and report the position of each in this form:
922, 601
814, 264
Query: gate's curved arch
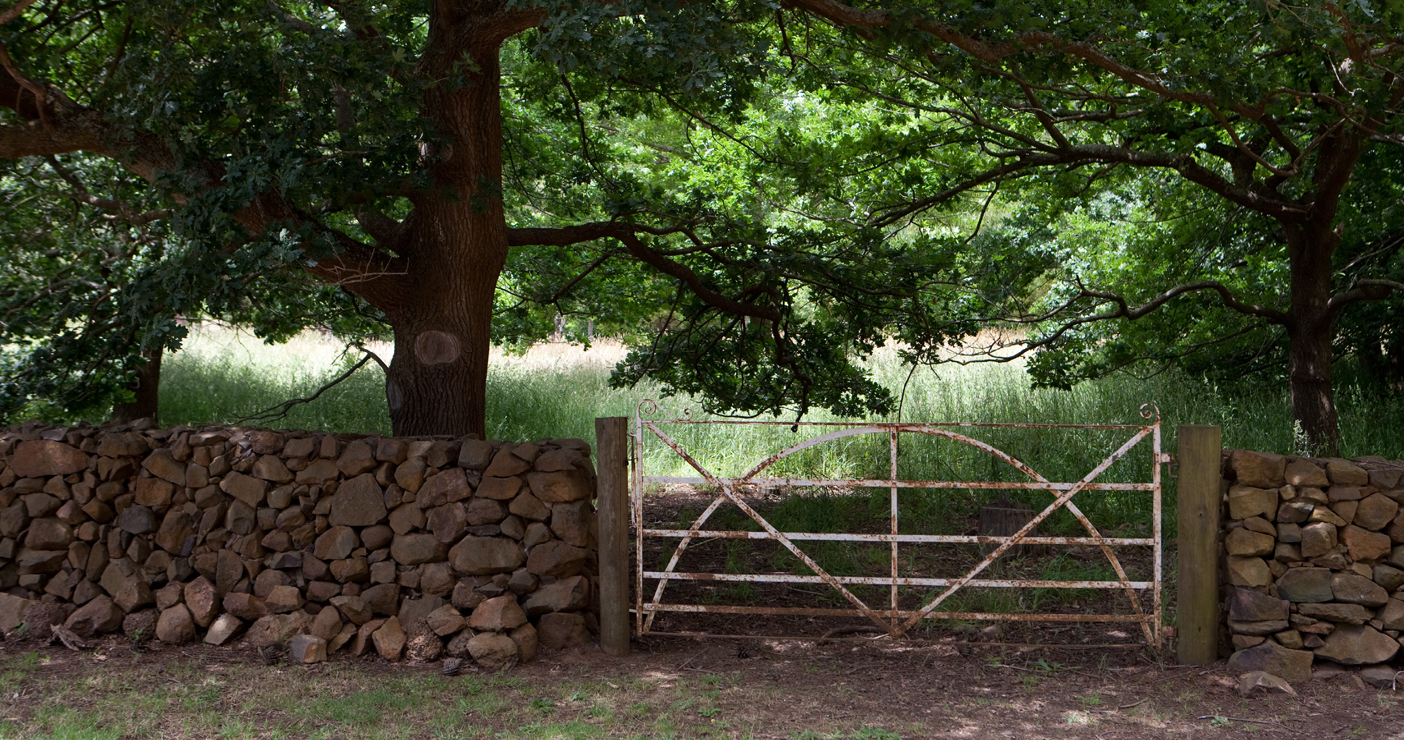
898, 428
993, 451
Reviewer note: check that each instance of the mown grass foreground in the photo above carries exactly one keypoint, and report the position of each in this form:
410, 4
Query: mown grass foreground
853, 690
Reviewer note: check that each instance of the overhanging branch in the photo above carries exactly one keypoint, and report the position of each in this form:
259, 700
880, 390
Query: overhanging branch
1363, 290
1124, 310
628, 235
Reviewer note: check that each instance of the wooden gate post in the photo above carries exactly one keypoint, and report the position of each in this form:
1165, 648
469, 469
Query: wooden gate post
612, 454
1198, 508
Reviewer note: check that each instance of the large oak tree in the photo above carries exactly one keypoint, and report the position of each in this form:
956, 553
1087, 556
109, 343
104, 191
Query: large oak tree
376, 142
373, 144
1269, 108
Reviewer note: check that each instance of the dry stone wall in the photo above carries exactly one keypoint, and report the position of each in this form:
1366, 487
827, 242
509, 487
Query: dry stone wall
1314, 569
312, 542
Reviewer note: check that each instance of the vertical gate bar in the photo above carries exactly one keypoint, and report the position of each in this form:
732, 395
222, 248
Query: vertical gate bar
1198, 509
637, 501
893, 473
612, 481
1156, 513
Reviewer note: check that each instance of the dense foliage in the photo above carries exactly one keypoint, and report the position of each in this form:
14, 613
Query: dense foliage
755, 195
1232, 165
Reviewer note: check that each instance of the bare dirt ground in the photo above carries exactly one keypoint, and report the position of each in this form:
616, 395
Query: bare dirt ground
671, 687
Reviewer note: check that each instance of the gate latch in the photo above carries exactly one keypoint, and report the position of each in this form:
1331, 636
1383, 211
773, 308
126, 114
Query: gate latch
1174, 469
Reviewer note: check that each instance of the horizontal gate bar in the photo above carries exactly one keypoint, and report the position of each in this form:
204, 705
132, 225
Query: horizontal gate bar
805, 612
901, 426
909, 640
882, 483
969, 539
887, 581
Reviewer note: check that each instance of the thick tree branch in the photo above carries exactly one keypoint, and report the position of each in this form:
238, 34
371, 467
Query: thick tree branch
1182, 163
1226, 296
111, 205
15, 11
57, 125
1363, 290
18, 141
296, 23
386, 231
1124, 310
628, 235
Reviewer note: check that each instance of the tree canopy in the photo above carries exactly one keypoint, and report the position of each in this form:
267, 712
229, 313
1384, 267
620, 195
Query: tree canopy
757, 194
1270, 134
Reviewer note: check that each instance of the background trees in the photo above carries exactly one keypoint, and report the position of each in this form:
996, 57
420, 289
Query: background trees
1268, 109
79, 299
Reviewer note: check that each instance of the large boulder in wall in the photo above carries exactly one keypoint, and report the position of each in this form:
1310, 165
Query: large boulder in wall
42, 457
359, 502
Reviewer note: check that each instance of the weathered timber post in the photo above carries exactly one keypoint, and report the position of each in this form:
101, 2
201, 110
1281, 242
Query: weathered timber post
611, 439
1198, 510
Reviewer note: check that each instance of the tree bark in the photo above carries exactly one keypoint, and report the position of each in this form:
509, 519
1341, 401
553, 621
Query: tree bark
454, 249
1310, 331
146, 389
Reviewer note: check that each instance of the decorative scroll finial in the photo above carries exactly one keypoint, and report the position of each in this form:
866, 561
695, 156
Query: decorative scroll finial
1150, 411
654, 410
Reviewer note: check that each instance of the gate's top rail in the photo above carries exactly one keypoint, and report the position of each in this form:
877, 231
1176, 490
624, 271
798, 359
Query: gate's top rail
650, 407
897, 425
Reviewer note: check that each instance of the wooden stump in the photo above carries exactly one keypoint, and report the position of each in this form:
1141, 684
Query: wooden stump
1002, 518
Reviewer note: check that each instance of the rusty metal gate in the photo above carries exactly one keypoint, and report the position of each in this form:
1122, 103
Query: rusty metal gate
649, 602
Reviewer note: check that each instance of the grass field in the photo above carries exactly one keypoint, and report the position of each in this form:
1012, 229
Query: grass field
557, 390
855, 690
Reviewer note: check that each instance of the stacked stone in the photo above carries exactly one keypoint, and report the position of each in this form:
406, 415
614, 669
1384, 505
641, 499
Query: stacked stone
409, 547
1315, 562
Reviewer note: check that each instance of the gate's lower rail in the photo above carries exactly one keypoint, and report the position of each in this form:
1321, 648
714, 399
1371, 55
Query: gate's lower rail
892, 617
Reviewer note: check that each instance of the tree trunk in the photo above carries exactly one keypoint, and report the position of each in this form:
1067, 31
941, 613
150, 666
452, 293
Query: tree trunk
1310, 331
146, 389
437, 382
455, 246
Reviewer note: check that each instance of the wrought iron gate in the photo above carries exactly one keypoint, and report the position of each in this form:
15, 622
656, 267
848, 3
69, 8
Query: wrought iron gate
648, 603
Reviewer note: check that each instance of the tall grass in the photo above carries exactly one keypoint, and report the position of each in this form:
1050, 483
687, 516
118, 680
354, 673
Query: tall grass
557, 391
222, 376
